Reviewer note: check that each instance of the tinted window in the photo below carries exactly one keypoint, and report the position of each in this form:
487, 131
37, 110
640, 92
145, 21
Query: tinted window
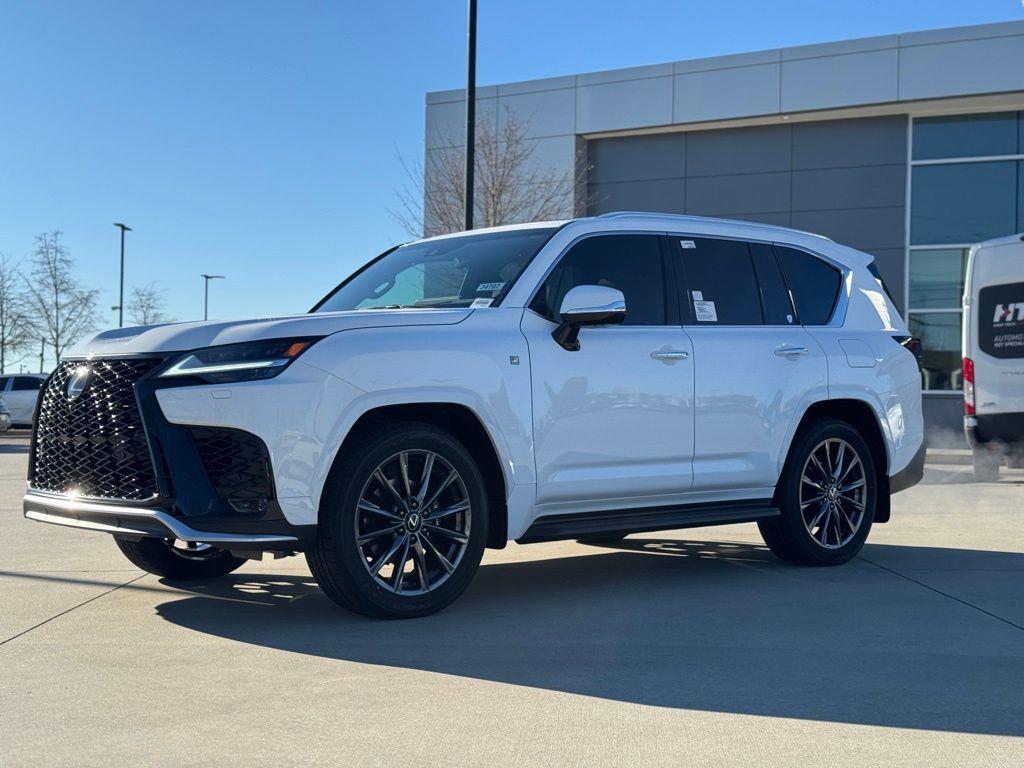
814, 284
631, 263
23, 383
937, 278
940, 358
963, 202
3, 383
965, 136
719, 280
1001, 320
445, 272
774, 295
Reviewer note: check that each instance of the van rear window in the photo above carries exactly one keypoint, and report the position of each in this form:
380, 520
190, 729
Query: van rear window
1001, 320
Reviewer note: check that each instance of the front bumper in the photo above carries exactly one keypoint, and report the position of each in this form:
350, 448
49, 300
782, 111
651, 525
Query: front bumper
141, 522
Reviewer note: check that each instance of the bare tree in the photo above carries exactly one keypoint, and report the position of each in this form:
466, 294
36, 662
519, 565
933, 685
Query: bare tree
147, 306
61, 309
14, 327
511, 186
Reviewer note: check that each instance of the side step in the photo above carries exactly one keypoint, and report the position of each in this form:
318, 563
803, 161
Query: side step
644, 520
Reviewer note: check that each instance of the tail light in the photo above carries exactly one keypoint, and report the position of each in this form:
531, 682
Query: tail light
911, 343
968, 372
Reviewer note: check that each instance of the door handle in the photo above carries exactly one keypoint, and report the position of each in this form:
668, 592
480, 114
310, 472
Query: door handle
788, 351
669, 354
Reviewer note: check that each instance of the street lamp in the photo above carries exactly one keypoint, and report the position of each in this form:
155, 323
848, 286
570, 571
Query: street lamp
120, 302
206, 292
470, 112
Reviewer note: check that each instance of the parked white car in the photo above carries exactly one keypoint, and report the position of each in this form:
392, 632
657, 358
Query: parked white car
20, 392
993, 352
5, 417
584, 379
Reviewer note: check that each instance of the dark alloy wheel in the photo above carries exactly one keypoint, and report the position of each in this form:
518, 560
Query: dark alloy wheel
403, 522
827, 495
179, 560
414, 521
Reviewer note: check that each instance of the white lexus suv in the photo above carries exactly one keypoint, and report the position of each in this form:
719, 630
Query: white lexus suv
576, 380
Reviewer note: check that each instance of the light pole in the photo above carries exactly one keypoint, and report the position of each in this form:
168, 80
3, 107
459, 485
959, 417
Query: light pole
120, 301
206, 292
470, 113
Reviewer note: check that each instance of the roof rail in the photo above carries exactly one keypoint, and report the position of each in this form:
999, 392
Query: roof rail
681, 217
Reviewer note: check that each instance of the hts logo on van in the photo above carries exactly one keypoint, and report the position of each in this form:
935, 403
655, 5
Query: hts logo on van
1004, 312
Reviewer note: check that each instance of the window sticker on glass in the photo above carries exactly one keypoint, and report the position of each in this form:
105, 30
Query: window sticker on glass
705, 311
697, 295
489, 287
478, 303
688, 243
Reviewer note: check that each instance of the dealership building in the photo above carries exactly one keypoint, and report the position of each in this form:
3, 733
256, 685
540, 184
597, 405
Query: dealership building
909, 147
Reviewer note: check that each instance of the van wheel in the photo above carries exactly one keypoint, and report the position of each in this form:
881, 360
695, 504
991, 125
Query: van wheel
986, 465
179, 560
827, 495
403, 522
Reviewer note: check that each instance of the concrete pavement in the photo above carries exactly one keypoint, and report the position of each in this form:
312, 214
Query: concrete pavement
689, 648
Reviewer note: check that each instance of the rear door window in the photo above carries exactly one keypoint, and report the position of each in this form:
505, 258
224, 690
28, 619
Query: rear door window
775, 300
813, 283
1001, 320
718, 282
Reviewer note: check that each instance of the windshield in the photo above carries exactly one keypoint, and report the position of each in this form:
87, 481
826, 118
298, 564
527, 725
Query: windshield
462, 271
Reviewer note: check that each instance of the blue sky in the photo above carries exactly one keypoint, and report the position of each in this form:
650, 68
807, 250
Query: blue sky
260, 140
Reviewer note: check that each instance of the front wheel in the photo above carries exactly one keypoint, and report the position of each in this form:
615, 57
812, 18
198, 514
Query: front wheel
179, 560
827, 495
403, 522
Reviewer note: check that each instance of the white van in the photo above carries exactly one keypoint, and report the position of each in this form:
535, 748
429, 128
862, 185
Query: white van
993, 351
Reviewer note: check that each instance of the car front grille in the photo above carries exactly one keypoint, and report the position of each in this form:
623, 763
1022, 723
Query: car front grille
94, 445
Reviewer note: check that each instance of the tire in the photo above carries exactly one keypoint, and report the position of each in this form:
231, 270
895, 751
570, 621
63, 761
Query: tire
795, 536
162, 557
986, 465
361, 575
601, 540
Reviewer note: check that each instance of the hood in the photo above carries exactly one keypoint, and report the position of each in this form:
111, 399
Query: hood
180, 337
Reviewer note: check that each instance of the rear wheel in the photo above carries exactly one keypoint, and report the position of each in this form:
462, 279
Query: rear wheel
827, 495
403, 522
179, 560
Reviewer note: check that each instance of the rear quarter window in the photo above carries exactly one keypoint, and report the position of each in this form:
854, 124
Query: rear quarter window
813, 283
1001, 320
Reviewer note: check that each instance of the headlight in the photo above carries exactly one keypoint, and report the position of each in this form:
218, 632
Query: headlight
239, 362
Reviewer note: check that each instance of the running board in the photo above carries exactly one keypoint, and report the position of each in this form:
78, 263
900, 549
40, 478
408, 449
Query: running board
645, 520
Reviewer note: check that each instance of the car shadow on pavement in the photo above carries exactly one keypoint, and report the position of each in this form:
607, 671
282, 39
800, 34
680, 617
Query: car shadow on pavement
710, 626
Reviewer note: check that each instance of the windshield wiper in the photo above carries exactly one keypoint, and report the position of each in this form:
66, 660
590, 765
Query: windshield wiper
387, 306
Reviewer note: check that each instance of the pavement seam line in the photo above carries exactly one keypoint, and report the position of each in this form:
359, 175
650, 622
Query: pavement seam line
940, 592
72, 608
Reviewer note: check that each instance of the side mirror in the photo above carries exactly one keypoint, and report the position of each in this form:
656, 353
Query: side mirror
587, 305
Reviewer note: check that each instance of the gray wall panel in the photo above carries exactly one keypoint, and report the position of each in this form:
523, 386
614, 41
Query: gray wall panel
634, 158
738, 193
867, 186
837, 143
659, 196
861, 228
738, 150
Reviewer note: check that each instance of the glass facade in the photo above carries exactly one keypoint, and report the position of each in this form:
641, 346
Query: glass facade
967, 185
